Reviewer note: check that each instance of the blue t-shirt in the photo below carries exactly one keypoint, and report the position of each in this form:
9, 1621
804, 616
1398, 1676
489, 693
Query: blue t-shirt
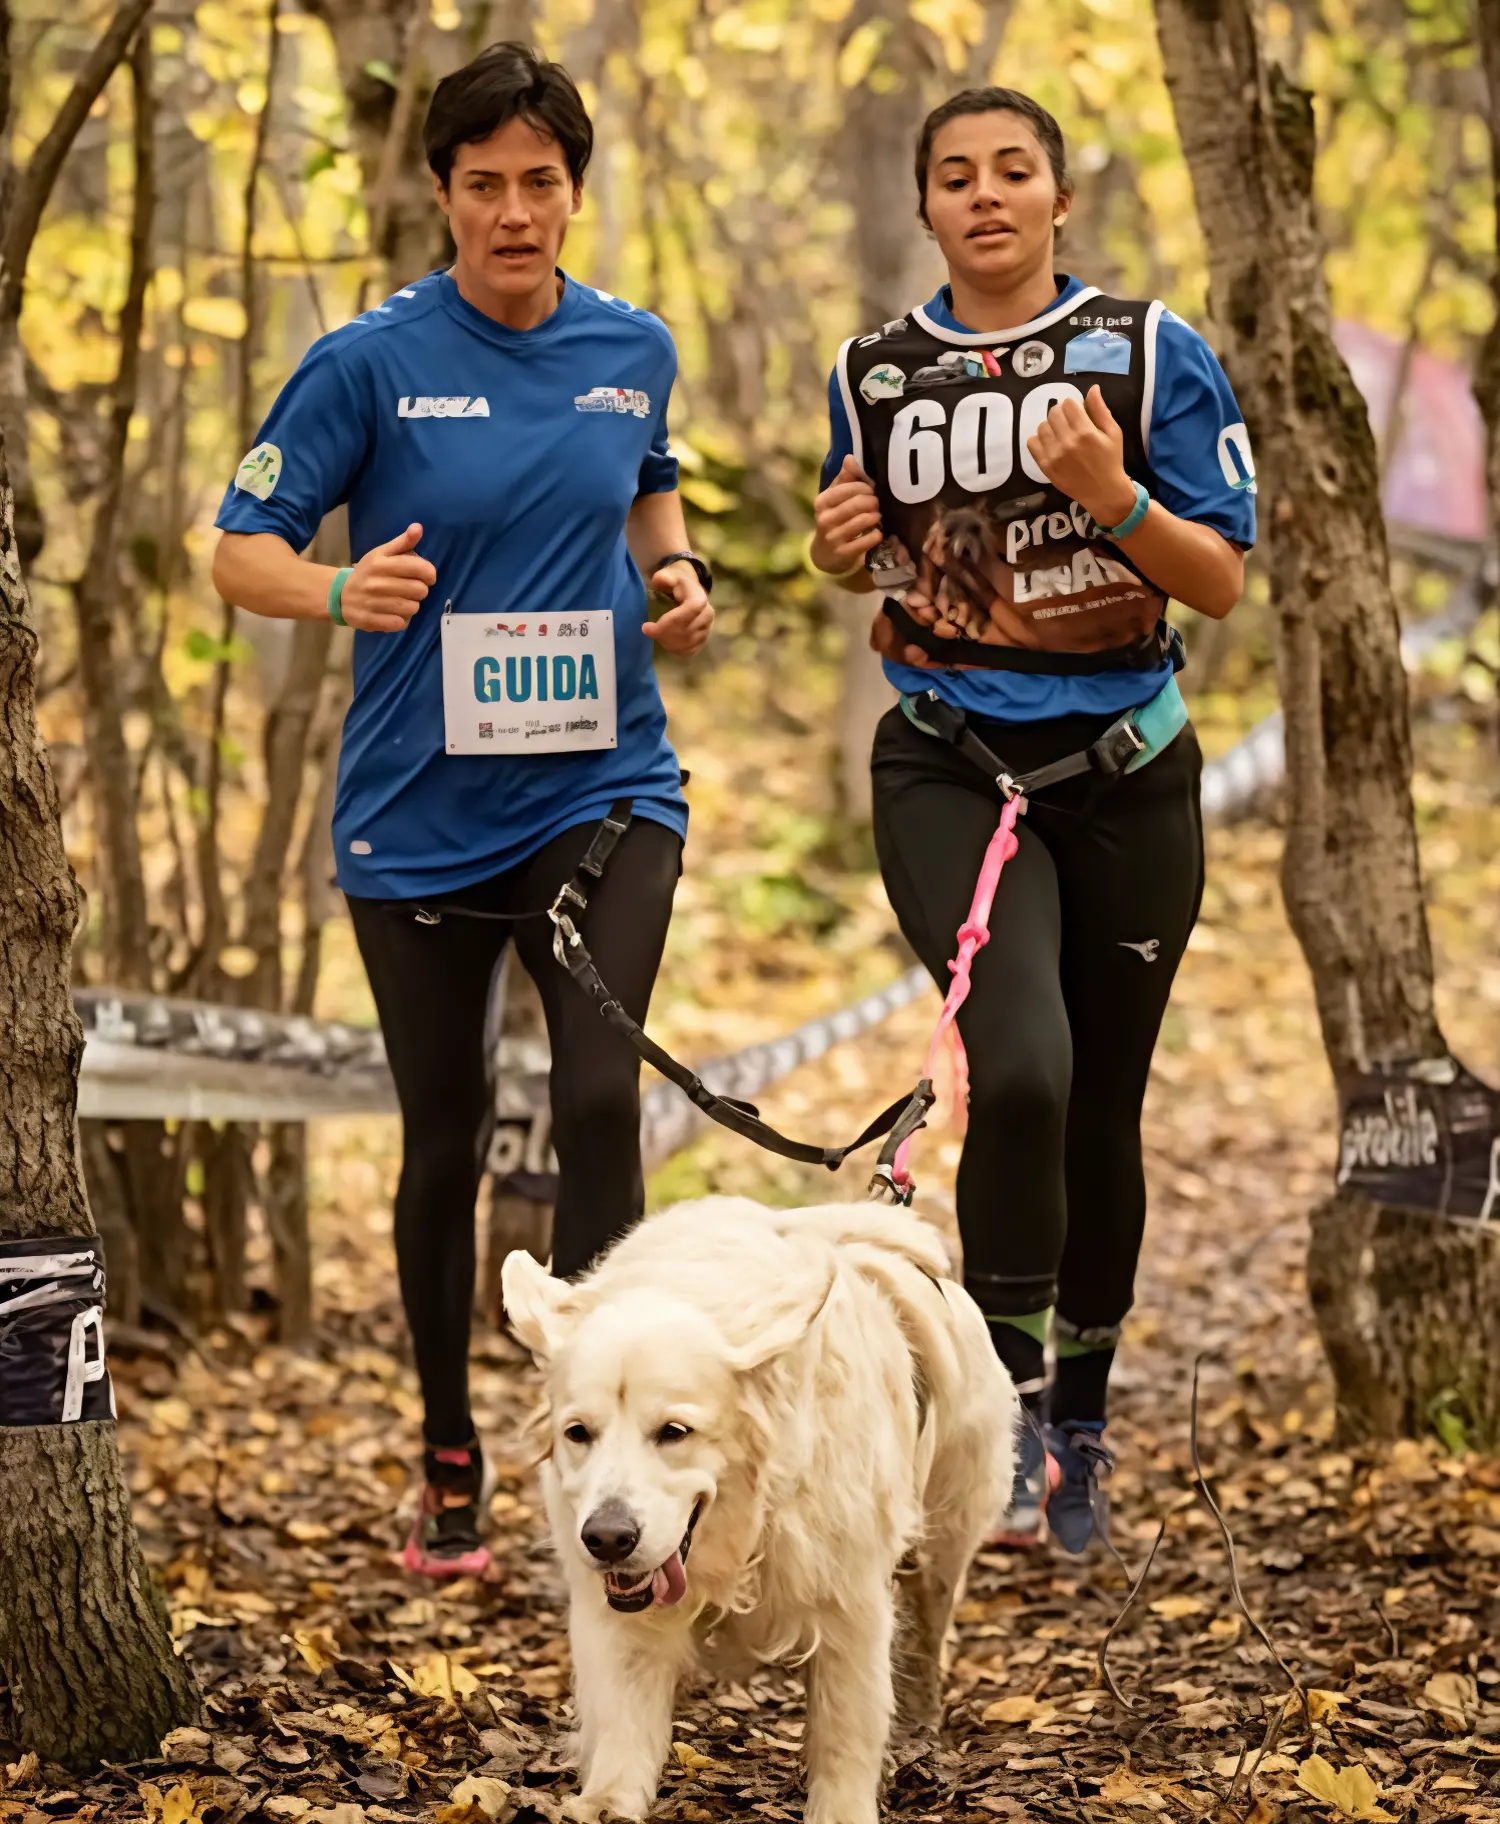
426, 409
1192, 408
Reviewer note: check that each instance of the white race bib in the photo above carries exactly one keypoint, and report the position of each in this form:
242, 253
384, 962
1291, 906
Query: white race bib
528, 683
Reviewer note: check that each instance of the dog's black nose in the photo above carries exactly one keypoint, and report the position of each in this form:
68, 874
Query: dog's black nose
610, 1533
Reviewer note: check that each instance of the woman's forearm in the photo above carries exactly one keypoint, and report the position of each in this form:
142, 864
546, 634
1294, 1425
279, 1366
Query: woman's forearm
655, 528
260, 572
1189, 562
855, 578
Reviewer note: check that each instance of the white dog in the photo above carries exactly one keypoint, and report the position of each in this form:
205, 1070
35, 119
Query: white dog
769, 1430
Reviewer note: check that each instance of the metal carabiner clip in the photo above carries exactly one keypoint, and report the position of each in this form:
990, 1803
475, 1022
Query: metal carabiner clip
565, 934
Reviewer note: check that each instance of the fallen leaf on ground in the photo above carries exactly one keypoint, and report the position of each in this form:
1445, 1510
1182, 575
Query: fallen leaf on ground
690, 1758
1227, 1765
317, 1646
1178, 1608
489, 1796
1186, 1692
1125, 1788
180, 1807
1212, 1713
186, 1745
24, 1771
1452, 1693
440, 1676
1018, 1710
1349, 1789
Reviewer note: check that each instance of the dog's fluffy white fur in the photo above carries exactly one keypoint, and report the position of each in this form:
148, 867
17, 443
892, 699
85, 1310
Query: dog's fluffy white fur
809, 1399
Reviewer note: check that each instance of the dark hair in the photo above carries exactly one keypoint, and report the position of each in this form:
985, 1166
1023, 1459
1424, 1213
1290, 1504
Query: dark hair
993, 101
504, 83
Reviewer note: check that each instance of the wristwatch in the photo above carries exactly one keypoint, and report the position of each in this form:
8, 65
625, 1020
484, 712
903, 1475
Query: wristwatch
704, 574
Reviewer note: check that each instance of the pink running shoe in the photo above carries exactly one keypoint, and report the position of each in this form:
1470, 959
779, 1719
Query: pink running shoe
445, 1537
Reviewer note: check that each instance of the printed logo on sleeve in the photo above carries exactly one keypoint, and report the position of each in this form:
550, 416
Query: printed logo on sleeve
458, 405
259, 473
614, 399
1235, 458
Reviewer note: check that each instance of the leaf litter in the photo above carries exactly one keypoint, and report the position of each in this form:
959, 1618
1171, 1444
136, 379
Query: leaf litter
273, 1494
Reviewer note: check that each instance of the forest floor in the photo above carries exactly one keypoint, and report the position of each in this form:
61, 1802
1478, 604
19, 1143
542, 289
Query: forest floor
272, 1487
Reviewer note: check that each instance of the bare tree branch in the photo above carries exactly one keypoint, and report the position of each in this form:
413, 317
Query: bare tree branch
34, 186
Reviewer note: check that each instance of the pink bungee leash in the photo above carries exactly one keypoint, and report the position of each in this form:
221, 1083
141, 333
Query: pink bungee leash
973, 935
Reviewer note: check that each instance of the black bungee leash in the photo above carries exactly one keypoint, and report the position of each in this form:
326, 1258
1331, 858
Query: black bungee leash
895, 1124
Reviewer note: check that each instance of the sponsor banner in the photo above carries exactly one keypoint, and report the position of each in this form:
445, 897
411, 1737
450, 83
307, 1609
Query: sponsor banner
1422, 1135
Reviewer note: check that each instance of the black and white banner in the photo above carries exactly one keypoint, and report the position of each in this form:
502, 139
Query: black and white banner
1424, 1135
52, 1368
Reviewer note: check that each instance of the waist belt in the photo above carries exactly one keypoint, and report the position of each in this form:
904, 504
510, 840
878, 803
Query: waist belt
1144, 654
1128, 744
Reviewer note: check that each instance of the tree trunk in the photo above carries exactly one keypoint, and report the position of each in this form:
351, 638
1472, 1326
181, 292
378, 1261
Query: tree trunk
24, 195
1400, 1298
127, 957
228, 1186
111, 1207
1487, 375
407, 231
284, 1200
895, 267
85, 1649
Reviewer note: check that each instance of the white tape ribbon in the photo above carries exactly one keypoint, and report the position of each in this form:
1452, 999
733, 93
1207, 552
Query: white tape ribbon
80, 1369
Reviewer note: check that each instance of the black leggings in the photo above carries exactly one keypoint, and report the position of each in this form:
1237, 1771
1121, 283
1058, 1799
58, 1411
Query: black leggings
431, 984
1090, 922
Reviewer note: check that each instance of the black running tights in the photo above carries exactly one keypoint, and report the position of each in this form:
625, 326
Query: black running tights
1090, 922
431, 984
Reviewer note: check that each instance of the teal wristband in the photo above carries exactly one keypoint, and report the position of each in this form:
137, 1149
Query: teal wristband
336, 596
1133, 518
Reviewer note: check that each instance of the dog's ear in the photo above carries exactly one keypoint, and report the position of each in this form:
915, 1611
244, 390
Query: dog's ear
534, 1302
786, 1325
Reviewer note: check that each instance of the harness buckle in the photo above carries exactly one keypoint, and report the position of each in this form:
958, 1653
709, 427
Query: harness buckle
1117, 748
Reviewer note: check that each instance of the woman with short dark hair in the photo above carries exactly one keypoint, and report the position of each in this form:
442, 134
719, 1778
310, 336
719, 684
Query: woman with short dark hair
499, 433
1027, 470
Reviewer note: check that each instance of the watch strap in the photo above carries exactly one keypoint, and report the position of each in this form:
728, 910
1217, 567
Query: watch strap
701, 569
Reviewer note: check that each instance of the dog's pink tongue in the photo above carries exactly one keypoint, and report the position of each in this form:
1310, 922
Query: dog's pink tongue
669, 1585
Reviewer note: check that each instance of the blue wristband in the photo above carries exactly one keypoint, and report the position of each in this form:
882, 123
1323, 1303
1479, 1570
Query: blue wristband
336, 596
1133, 518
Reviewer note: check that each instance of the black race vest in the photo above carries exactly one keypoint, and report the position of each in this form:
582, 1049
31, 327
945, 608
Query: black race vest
941, 422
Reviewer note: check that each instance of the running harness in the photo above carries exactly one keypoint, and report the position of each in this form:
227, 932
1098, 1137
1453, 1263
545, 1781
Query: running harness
1128, 743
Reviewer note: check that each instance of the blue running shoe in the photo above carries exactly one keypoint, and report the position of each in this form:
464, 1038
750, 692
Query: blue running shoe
1019, 1528
1078, 1507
